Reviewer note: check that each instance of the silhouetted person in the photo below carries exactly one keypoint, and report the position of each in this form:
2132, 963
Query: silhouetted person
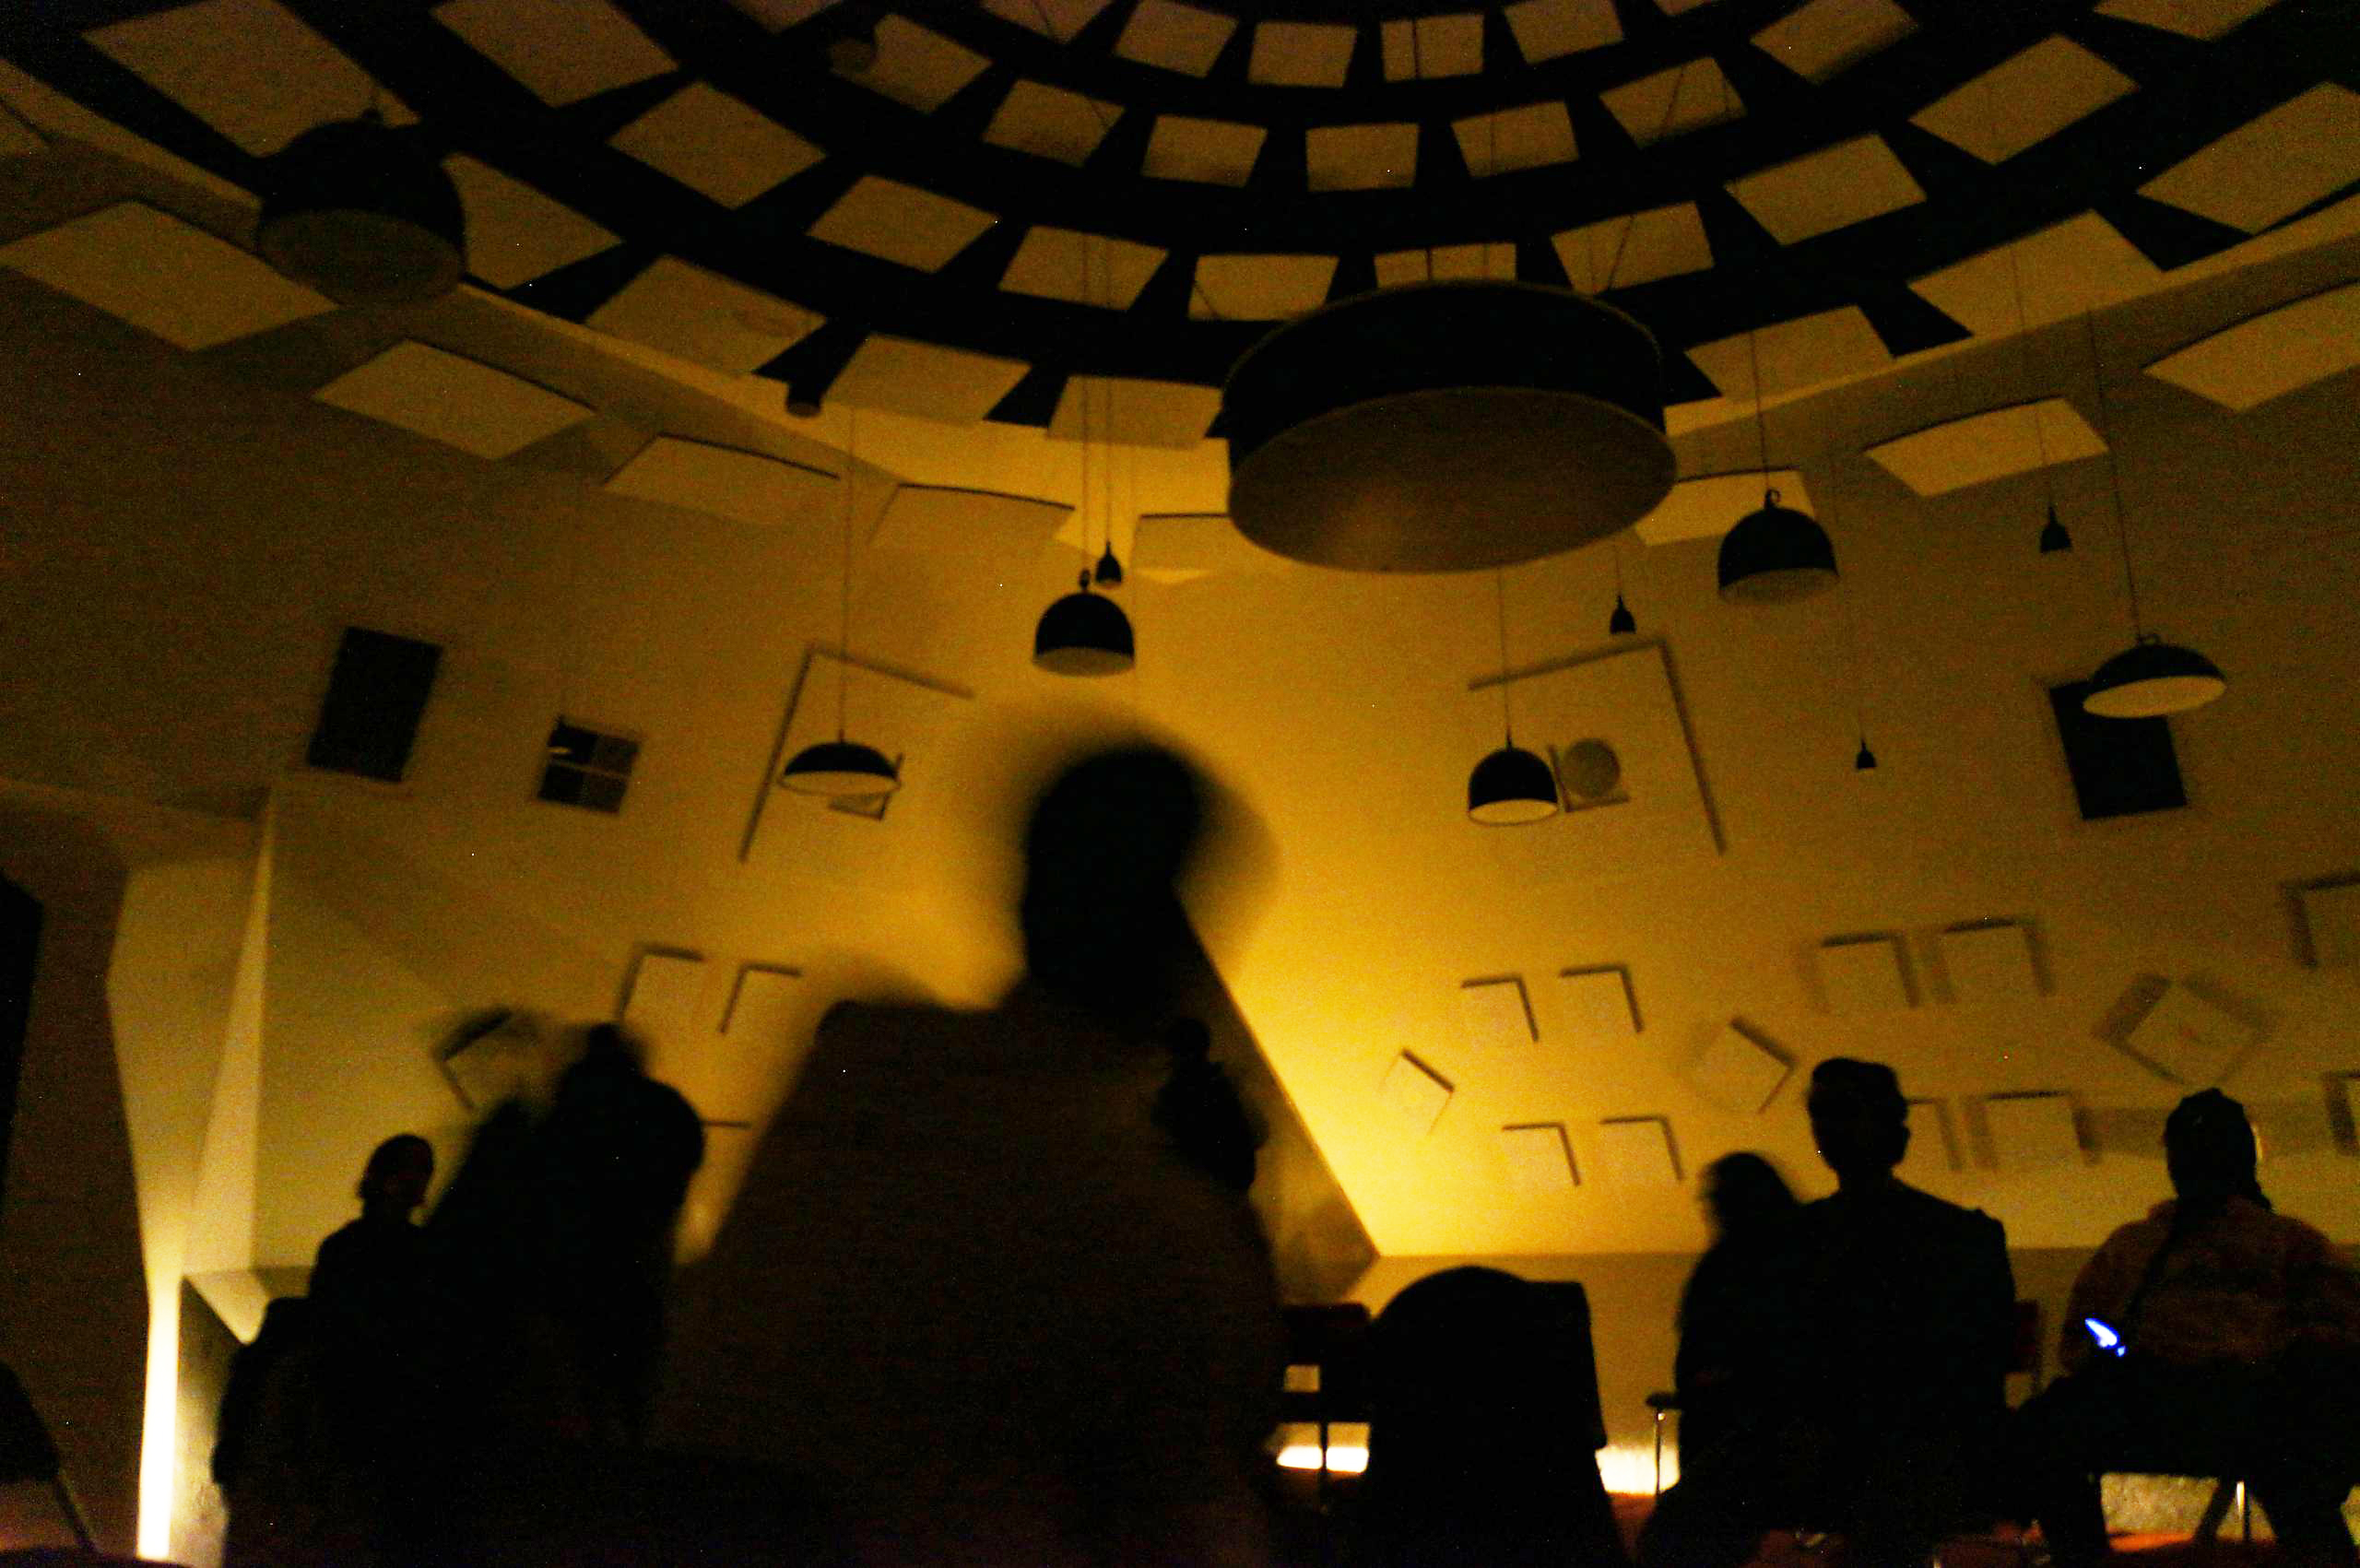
374, 1269
1903, 1322
2240, 1330
970, 1287
1200, 1109
1482, 1414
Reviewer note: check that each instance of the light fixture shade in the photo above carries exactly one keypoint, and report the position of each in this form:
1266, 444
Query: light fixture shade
1109, 572
1864, 761
2152, 678
841, 770
1445, 427
1775, 556
1510, 786
357, 211
1083, 634
1621, 623
2053, 537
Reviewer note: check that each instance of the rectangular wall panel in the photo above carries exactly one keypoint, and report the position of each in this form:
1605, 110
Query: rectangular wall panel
2189, 1039
1739, 1072
1933, 1151
1864, 976
1495, 1014
2029, 1131
2331, 918
1538, 1158
1990, 964
1414, 1092
1599, 1005
1635, 1151
763, 1002
661, 993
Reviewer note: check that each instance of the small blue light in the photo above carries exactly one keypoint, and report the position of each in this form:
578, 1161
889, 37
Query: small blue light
2102, 1332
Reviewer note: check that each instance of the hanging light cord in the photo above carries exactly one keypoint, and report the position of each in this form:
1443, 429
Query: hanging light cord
1507, 716
2023, 335
843, 649
2114, 475
1663, 126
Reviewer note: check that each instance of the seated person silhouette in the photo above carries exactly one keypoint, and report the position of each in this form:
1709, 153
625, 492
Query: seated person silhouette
970, 1292
1482, 1417
2236, 1338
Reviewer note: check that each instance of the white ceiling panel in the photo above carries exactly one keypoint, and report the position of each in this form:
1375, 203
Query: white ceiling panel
1176, 36
249, 68
563, 50
701, 316
1135, 412
1832, 188
2272, 165
2196, 19
163, 275
1795, 354
2270, 354
1689, 97
1360, 158
1529, 137
1301, 54
918, 66
1059, 19
1062, 264
2080, 264
742, 486
925, 379
1662, 242
515, 233
2025, 100
1539, 1159
1705, 506
1259, 287
1826, 37
51, 114
715, 144
902, 223
1989, 445
1547, 28
1216, 152
940, 522
1442, 46
1050, 121
460, 402
1446, 262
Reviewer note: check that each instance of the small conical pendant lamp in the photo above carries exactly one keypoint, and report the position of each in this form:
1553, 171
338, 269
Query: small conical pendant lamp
1511, 785
2054, 540
842, 769
2151, 677
1864, 761
1621, 623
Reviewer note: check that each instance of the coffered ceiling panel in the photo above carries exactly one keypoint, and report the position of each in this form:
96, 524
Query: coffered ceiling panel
1832, 188
902, 223
1823, 37
916, 66
163, 275
687, 311
2273, 165
1360, 158
1432, 47
515, 233
1547, 28
1249, 288
1688, 96
1052, 122
563, 50
2272, 354
711, 142
1179, 38
454, 400
2084, 264
2197, 18
1218, 152
1663, 242
1529, 137
250, 68
2023, 100
1301, 54
1059, 263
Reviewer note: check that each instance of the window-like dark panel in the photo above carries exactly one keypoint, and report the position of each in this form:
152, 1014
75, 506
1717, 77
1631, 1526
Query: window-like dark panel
2120, 767
376, 695
586, 768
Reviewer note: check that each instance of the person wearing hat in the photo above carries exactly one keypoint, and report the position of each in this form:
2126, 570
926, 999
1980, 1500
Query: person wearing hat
2213, 1336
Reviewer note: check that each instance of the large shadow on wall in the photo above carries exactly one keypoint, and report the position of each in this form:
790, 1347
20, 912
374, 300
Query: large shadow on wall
72, 1284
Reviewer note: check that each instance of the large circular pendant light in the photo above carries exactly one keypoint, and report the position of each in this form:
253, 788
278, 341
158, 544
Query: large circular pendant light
1083, 633
1445, 427
842, 769
2152, 678
357, 211
1511, 786
1775, 556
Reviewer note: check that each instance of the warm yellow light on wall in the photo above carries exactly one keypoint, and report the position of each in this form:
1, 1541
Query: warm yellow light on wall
160, 1425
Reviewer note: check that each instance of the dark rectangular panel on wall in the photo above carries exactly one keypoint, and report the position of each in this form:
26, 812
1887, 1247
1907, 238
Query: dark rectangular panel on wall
19, 942
376, 695
2120, 767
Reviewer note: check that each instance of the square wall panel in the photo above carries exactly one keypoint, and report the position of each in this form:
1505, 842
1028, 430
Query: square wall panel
1739, 1072
1547, 28
2190, 1040
1414, 1093
701, 316
1663, 242
1300, 54
2272, 166
1689, 97
925, 379
2032, 1131
515, 233
1495, 1015
716, 144
663, 993
2025, 100
918, 66
249, 68
1832, 188
1095, 269
1212, 152
2331, 921
1866, 977
1176, 36
1825, 37
1360, 158
1933, 1147
163, 275
1538, 1158
1706, 507
1529, 137
1598, 1006
1986, 446
1267, 287
563, 50
1990, 964
2269, 355
1440, 46
1635, 1151
902, 223
1051, 122
1396, 267
764, 1002
744, 486
460, 402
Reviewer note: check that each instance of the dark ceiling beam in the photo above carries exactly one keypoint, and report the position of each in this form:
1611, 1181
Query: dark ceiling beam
2167, 236
1032, 400
811, 367
572, 293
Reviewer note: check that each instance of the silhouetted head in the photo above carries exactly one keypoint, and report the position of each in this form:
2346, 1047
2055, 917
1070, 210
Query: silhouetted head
2210, 1149
612, 1045
1858, 1117
1746, 1195
1464, 1397
397, 1174
1104, 853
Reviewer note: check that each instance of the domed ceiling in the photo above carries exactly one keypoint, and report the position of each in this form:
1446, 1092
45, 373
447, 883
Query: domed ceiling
1136, 188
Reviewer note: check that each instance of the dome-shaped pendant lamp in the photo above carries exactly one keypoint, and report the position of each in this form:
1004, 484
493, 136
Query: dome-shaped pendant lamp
1511, 786
1775, 556
840, 769
1083, 633
2152, 678
354, 210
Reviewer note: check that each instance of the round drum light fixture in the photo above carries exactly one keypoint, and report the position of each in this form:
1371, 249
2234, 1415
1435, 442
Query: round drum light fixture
355, 210
1445, 427
2152, 678
1775, 556
1083, 633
